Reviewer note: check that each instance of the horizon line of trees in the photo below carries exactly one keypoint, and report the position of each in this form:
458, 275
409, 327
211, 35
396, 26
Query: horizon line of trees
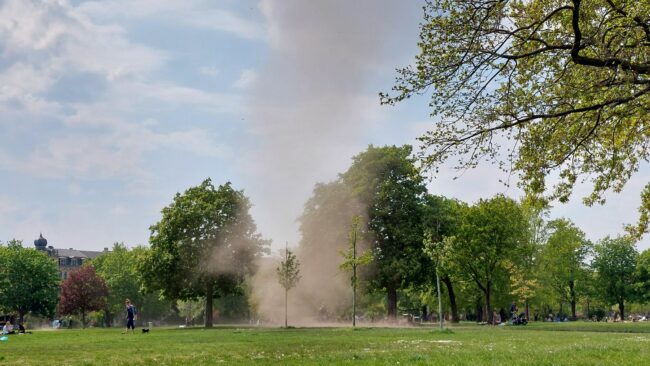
206, 246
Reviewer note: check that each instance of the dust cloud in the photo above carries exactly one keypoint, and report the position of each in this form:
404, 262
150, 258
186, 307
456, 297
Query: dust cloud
312, 109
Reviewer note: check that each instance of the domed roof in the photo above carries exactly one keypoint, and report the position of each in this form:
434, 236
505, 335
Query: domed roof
41, 241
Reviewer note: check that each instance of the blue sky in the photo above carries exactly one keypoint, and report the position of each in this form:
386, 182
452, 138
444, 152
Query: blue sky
109, 108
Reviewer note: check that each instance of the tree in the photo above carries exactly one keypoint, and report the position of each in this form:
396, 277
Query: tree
203, 246
29, 281
488, 239
614, 263
352, 261
119, 269
442, 220
524, 276
82, 292
387, 181
537, 87
288, 276
564, 261
642, 277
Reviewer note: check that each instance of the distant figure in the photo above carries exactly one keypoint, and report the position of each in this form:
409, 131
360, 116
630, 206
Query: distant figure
496, 318
8, 328
22, 330
513, 310
131, 313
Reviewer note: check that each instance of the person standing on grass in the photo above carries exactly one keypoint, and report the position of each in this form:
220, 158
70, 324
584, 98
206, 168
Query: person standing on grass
131, 314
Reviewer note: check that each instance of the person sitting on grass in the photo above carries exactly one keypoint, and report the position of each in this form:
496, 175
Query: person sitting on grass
8, 328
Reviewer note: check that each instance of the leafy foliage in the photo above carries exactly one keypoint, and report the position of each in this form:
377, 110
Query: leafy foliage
82, 292
492, 233
388, 182
204, 245
352, 261
614, 263
642, 277
289, 271
119, 269
537, 87
564, 260
288, 275
29, 281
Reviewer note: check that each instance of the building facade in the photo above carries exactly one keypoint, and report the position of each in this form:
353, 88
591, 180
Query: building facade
67, 259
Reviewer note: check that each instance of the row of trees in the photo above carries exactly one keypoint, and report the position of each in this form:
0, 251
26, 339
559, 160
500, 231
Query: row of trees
500, 248
206, 246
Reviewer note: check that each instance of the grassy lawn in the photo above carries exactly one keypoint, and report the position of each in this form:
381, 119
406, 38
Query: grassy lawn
538, 344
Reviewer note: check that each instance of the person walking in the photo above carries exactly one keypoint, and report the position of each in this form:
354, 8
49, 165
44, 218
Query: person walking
131, 314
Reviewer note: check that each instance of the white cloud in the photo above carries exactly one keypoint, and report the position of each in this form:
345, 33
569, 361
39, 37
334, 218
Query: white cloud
105, 135
246, 79
192, 13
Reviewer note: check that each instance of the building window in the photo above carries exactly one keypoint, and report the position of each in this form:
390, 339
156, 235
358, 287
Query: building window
65, 275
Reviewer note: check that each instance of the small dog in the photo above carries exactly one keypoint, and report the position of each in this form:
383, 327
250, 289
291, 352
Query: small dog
145, 330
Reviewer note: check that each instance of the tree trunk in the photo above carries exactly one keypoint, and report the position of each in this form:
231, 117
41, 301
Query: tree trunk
286, 307
208, 304
391, 299
572, 294
488, 302
621, 308
425, 313
83, 319
21, 316
452, 299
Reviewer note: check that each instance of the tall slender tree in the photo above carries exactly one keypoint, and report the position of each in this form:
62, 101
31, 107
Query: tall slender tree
288, 275
352, 261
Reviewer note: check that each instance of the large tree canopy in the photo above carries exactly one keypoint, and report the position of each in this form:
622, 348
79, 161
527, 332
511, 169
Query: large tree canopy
563, 260
388, 182
537, 86
491, 236
203, 246
614, 263
29, 281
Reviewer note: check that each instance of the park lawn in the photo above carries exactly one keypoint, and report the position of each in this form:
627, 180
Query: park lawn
538, 344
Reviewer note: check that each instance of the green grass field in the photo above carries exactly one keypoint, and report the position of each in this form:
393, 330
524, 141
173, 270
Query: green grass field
537, 344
